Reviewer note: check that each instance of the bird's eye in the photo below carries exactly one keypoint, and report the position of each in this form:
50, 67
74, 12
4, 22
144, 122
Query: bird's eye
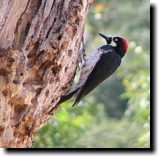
115, 39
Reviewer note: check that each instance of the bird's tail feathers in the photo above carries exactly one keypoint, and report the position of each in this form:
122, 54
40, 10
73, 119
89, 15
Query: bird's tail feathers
68, 96
79, 97
75, 103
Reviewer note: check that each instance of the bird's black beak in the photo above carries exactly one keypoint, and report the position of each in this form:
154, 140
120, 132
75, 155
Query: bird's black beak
108, 39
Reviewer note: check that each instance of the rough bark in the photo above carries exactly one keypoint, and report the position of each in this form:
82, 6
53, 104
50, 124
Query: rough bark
40, 44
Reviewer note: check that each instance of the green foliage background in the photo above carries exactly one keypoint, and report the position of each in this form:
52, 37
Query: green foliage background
117, 113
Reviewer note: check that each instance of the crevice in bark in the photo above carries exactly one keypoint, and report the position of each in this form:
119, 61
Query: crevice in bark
24, 22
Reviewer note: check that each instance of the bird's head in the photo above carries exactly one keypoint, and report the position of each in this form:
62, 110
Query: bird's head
121, 43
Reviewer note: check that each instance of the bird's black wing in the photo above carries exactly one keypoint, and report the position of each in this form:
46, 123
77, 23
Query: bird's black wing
107, 64
87, 68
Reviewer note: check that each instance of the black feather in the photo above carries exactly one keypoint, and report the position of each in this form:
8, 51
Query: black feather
107, 64
67, 96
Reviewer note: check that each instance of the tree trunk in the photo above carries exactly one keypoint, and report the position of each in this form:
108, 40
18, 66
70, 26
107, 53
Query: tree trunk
40, 42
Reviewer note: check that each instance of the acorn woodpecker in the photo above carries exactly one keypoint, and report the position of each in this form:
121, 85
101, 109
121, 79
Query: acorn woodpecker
98, 67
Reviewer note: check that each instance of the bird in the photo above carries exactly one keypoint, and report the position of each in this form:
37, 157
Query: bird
98, 66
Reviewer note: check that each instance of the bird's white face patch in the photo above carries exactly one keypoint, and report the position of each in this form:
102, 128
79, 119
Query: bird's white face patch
113, 44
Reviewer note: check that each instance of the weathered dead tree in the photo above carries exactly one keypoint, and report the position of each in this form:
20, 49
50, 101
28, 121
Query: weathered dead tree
40, 44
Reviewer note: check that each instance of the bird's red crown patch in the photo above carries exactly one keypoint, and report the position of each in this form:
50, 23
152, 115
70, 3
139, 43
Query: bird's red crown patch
126, 45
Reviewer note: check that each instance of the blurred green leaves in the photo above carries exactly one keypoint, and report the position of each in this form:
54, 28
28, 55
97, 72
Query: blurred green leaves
67, 127
117, 113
